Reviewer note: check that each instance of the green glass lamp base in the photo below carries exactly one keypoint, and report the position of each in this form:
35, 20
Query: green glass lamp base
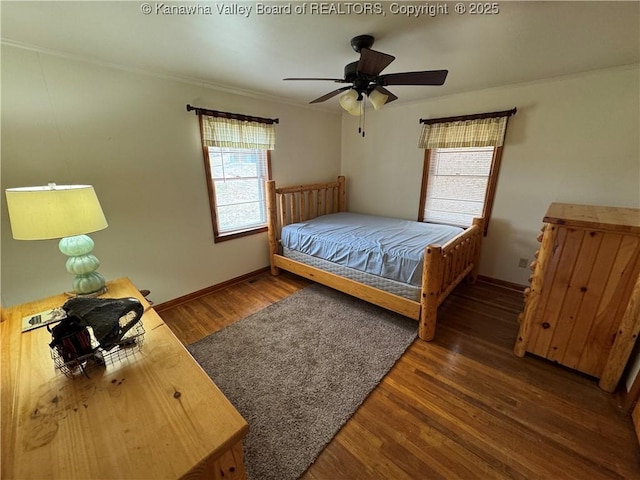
83, 265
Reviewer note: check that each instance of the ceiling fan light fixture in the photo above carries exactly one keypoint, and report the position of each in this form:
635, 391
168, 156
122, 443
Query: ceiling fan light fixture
365, 78
349, 102
378, 99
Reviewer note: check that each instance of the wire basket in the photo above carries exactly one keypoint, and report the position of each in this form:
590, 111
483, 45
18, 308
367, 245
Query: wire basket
74, 365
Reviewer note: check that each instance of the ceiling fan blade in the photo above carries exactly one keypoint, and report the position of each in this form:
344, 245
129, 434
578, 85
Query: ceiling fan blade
386, 92
329, 95
431, 77
372, 62
337, 80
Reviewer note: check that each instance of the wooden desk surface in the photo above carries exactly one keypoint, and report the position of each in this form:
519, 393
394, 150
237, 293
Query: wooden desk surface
125, 421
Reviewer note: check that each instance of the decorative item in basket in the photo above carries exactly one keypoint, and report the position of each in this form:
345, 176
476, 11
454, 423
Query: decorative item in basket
91, 330
109, 318
71, 340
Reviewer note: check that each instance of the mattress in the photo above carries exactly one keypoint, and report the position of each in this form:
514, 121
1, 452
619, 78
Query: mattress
386, 247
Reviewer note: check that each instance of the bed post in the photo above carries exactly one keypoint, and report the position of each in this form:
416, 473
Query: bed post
272, 223
342, 198
431, 286
473, 275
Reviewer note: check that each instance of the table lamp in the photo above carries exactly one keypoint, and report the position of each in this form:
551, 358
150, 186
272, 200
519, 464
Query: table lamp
67, 212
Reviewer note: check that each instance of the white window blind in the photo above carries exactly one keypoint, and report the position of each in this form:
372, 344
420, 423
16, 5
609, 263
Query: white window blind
238, 176
457, 184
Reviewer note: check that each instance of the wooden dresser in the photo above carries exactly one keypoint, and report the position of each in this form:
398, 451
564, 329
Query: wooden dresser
583, 307
154, 415
636, 420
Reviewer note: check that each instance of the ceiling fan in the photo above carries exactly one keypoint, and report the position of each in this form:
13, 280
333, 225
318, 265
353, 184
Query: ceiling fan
365, 79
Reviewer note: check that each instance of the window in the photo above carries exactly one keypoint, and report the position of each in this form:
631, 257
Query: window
237, 177
237, 157
457, 184
461, 164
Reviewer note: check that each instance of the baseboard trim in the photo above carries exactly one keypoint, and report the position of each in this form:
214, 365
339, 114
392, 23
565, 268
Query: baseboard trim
160, 307
502, 283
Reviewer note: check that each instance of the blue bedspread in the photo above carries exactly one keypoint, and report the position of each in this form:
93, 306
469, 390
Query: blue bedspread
387, 247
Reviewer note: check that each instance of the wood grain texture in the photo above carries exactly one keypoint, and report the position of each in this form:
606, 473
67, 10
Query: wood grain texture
614, 219
636, 419
228, 466
155, 414
583, 283
545, 262
432, 271
625, 339
198, 318
462, 406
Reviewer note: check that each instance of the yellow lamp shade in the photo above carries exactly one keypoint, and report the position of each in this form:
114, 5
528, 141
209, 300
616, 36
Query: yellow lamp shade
54, 211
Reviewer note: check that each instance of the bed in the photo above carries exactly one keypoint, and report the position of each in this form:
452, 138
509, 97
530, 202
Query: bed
411, 271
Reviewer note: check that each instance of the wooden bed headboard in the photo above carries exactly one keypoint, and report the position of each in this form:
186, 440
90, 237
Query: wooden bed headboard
302, 202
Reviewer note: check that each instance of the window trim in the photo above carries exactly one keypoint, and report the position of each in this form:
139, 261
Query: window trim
223, 237
492, 183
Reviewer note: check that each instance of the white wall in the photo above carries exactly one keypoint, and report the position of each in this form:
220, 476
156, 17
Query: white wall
130, 136
573, 139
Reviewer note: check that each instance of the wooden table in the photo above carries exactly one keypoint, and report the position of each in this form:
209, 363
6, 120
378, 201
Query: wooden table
636, 420
155, 414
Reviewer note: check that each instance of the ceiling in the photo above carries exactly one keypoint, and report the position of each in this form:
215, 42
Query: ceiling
526, 41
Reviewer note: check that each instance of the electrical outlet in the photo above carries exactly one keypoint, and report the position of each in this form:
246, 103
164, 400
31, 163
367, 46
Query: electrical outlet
523, 263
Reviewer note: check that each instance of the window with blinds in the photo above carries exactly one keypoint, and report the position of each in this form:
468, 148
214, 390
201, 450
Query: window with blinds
456, 184
238, 176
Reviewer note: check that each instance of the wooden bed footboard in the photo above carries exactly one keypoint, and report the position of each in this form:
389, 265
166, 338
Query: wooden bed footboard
444, 266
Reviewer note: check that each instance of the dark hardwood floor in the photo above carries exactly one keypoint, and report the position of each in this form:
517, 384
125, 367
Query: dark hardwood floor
462, 406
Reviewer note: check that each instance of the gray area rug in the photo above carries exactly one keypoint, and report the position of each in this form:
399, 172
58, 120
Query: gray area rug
298, 370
